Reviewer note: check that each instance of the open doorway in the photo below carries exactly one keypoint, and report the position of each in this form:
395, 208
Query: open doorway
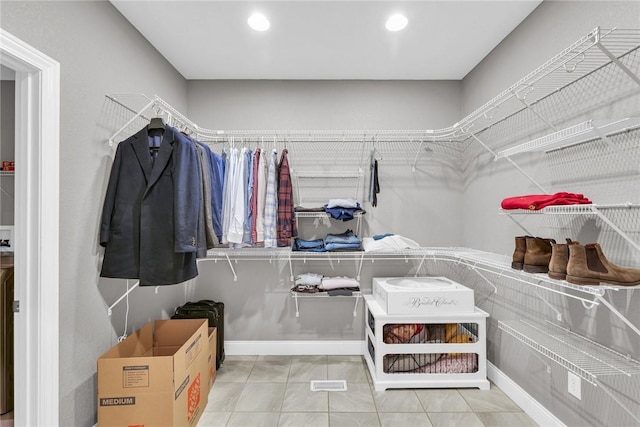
36, 188
7, 243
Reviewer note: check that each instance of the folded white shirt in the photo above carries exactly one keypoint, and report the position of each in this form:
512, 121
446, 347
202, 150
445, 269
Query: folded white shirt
311, 279
389, 243
339, 282
343, 203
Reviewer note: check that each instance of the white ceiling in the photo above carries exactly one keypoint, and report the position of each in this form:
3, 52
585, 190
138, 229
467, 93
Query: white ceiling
325, 39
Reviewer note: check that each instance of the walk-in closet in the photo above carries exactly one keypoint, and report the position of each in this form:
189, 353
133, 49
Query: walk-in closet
288, 213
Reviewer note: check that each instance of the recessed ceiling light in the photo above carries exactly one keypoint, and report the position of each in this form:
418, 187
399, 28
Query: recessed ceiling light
396, 22
258, 22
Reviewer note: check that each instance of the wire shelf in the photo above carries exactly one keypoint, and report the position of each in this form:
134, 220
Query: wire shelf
586, 209
578, 354
324, 294
7, 173
582, 132
322, 214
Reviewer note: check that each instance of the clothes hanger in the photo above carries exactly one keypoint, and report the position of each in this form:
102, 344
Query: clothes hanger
156, 122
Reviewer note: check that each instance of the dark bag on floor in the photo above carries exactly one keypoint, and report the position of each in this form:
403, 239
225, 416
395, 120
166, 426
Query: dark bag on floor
206, 309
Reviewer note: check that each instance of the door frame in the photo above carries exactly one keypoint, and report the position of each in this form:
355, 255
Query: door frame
36, 361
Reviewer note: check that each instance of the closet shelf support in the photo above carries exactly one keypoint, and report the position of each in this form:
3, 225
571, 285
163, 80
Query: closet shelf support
475, 270
235, 276
535, 113
617, 229
526, 232
614, 148
618, 314
110, 309
119, 131
615, 59
493, 153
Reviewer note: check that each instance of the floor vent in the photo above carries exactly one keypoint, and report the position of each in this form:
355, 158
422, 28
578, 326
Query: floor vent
329, 385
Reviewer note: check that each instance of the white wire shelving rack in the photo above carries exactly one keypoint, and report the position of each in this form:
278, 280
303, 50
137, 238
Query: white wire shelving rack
540, 100
580, 355
576, 134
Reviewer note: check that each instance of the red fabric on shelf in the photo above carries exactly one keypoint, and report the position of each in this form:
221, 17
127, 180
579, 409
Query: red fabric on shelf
540, 201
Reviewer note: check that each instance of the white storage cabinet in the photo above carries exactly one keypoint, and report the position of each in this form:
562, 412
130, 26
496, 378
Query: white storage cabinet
376, 350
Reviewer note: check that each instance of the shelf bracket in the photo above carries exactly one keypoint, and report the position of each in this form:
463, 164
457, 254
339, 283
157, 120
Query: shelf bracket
360, 266
110, 309
530, 108
617, 229
551, 307
7, 193
486, 147
138, 114
295, 298
415, 160
623, 67
291, 268
618, 314
605, 388
519, 225
420, 265
614, 148
475, 270
235, 277
355, 306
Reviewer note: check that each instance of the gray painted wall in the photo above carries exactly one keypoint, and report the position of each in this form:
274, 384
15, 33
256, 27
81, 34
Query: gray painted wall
552, 27
7, 147
100, 53
259, 306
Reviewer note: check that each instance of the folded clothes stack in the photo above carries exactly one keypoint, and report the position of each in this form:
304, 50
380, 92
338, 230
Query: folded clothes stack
339, 285
347, 241
312, 283
343, 209
307, 283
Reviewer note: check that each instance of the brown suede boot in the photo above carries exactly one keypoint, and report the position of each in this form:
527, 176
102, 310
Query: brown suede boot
537, 255
588, 266
517, 260
559, 260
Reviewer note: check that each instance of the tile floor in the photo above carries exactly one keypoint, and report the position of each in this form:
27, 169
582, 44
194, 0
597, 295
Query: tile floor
265, 391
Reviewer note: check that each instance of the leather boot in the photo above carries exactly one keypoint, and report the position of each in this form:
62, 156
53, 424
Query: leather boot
559, 259
538, 255
517, 260
588, 266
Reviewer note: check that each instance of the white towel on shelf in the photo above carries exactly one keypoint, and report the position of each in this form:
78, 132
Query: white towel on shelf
339, 282
389, 243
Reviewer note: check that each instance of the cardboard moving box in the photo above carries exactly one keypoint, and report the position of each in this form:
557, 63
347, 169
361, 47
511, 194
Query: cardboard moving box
158, 376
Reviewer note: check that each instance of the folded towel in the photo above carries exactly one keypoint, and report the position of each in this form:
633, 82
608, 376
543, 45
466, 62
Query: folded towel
389, 243
338, 282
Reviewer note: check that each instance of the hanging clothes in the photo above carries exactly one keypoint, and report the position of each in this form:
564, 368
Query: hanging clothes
150, 213
247, 182
286, 226
271, 204
236, 221
374, 184
259, 185
217, 189
226, 194
207, 192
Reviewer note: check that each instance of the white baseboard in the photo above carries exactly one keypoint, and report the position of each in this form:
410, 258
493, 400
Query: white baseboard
529, 405
292, 348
